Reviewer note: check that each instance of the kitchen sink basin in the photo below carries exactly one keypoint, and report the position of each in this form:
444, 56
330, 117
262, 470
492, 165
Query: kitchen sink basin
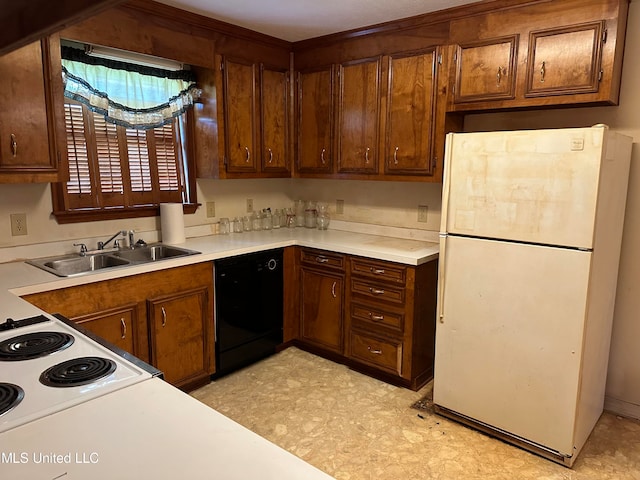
151, 253
75, 264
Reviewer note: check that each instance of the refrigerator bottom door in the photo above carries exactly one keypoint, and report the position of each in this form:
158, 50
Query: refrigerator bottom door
509, 336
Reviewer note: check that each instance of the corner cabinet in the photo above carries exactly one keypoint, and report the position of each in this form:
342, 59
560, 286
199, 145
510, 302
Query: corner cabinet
385, 119
255, 121
31, 103
322, 299
314, 153
164, 318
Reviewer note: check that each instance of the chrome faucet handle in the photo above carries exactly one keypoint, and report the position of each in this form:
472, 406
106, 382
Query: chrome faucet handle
83, 248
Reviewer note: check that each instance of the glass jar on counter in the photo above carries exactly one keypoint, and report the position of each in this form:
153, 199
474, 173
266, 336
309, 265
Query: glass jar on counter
256, 221
275, 217
299, 213
310, 214
267, 219
323, 217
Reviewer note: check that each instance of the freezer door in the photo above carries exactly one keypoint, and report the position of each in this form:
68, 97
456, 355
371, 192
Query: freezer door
537, 186
509, 336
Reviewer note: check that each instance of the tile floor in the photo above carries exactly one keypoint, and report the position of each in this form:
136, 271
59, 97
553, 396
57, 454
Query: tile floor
355, 427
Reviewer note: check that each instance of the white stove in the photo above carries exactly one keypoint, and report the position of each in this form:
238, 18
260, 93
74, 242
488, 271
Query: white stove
48, 366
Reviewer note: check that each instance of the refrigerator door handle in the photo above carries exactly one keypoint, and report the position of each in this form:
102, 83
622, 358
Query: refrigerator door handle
441, 277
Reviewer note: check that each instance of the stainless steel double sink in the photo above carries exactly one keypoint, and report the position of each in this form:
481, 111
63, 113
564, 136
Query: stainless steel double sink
75, 264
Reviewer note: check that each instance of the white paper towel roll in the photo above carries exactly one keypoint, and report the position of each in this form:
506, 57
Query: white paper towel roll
172, 223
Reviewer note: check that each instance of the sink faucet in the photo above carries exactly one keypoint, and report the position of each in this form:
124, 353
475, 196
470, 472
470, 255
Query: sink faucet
101, 245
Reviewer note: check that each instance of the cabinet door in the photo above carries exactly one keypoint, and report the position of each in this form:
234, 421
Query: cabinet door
358, 113
315, 121
321, 297
486, 70
565, 61
275, 120
115, 326
410, 110
24, 131
240, 116
178, 332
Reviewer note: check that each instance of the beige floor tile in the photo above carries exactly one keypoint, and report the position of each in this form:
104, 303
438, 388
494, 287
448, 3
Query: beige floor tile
357, 428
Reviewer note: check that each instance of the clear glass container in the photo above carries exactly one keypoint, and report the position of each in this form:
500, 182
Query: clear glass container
299, 213
323, 217
310, 215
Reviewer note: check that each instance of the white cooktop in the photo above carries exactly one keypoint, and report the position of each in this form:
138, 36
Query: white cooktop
41, 400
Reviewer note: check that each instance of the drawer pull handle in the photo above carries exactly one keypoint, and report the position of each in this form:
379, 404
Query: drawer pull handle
377, 271
543, 72
375, 352
322, 259
248, 157
376, 291
322, 157
376, 317
333, 289
164, 316
366, 155
395, 155
270, 156
123, 326
14, 145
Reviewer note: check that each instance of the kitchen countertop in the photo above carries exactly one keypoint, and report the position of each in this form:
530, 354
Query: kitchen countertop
148, 430
193, 441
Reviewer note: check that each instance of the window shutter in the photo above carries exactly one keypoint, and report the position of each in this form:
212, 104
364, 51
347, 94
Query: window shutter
108, 157
139, 167
167, 158
78, 188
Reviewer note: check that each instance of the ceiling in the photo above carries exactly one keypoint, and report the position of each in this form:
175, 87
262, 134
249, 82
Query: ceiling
295, 20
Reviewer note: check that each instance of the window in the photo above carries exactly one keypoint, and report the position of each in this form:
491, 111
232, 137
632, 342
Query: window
117, 170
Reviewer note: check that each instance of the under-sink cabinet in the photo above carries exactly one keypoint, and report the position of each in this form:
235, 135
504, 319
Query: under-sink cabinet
164, 318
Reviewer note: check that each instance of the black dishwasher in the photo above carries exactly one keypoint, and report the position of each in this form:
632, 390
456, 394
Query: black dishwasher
248, 297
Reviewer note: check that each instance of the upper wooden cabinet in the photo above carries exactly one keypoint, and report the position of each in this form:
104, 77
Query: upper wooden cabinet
30, 101
389, 110
486, 70
358, 116
565, 61
411, 99
539, 55
314, 152
256, 120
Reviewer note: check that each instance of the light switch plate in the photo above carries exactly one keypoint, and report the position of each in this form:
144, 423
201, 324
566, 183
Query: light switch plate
422, 213
211, 209
249, 205
339, 207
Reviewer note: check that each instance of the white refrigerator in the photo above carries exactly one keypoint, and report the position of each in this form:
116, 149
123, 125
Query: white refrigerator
529, 248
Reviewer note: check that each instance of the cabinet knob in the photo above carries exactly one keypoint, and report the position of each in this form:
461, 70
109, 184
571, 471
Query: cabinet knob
14, 145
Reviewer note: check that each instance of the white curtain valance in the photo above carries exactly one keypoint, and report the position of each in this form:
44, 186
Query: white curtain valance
126, 94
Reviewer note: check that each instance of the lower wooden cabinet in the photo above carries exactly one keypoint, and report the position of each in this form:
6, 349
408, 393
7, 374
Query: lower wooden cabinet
375, 316
321, 297
164, 318
117, 326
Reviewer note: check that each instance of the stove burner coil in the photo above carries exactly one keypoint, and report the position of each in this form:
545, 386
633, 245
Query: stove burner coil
10, 396
77, 371
33, 345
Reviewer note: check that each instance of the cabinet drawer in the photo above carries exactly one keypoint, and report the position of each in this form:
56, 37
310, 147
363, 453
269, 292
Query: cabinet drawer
385, 354
377, 291
374, 315
388, 272
322, 258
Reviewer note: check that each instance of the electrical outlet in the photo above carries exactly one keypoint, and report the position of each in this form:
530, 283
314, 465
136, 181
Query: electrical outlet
422, 213
18, 224
211, 209
249, 205
339, 207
